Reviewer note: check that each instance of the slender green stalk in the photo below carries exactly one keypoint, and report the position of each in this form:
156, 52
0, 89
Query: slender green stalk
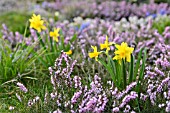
138, 100
41, 42
112, 66
141, 75
108, 68
131, 73
25, 31
137, 64
51, 43
119, 73
124, 73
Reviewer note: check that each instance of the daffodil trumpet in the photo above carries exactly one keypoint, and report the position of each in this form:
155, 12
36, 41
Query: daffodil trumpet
123, 52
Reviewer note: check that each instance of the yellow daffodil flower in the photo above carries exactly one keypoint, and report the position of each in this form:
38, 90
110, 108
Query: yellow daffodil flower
106, 45
123, 52
69, 52
55, 34
37, 23
94, 53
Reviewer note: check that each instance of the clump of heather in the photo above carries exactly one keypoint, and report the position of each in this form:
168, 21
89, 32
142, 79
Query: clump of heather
62, 81
83, 98
109, 10
72, 95
17, 38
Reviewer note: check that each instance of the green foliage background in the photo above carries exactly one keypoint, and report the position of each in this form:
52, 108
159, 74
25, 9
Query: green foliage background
15, 21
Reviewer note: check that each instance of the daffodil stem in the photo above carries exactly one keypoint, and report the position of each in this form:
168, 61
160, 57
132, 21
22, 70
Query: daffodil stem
51, 42
44, 47
131, 71
137, 100
41, 42
124, 73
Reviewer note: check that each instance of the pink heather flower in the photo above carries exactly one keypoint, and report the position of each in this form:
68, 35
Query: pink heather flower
127, 109
72, 111
165, 81
11, 108
168, 94
91, 104
22, 87
133, 95
45, 97
159, 89
151, 74
19, 98
163, 62
167, 35
129, 87
77, 81
57, 111
167, 29
132, 112
76, 96
115, 110
167, 109
37, 98
143, 97
53, 95
31, 102
159, 71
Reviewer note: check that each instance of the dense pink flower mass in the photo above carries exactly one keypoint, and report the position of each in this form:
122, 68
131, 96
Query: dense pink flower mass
108, 9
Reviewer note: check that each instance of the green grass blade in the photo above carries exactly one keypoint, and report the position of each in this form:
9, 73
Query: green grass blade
131, 70
141, 75
108, 68
112, 67
51, 44
137, 64
73, 38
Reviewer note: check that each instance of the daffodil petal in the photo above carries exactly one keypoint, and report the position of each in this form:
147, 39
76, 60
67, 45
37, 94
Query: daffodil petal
91, 55
102, 46
69, 52
128, 58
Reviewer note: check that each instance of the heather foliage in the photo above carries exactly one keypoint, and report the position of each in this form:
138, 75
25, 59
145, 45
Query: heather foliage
111, 57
